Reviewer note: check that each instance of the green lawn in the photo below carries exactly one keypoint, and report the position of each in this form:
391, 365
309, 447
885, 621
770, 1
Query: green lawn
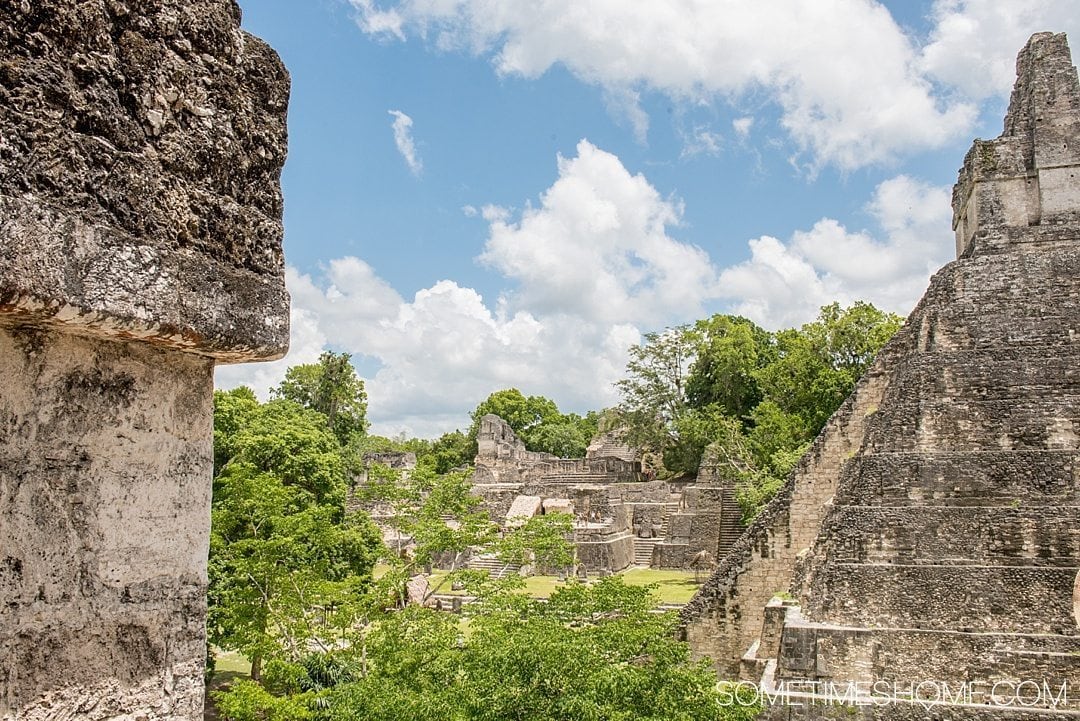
672, 586
231, 662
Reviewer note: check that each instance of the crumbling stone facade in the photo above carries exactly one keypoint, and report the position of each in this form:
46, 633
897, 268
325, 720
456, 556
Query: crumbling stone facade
621, 519
141, 145
930, 534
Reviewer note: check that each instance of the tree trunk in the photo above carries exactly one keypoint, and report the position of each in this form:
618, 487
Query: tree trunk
256, 667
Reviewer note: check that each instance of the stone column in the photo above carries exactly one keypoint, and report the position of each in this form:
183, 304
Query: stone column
141, 145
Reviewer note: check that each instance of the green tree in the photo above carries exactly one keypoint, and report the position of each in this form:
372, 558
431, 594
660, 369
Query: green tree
451, 450
596, 651
565, 435
285, 560
232, 411
332, 388
542, 541
653, 393
817, 366
729, 351
814, 369
537, 421
519, 411
684, 389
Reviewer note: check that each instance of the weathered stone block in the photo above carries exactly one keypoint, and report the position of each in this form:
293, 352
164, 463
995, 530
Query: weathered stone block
141, 145
140, 153
105, 465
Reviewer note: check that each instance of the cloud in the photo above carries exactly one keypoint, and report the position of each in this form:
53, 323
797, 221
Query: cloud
444, 350
404, 141
847, 79
783, 284
974, 43
742, 126
377, 22
702, 141
598, 248
587, 270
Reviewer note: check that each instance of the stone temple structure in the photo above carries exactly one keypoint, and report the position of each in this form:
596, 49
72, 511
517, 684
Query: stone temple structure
621, 518
141, 145
932, 533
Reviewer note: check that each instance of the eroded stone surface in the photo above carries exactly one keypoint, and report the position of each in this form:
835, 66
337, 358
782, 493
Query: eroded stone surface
105, 465
141, 143
140, 150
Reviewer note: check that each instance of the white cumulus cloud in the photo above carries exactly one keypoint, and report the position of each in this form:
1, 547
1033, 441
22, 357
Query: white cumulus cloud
849, 82
403, 139
598, 248
974, 42
783, 284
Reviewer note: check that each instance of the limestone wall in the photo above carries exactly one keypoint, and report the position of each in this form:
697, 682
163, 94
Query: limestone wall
962, 376
1026, 177
105, 465
502, 458
960, 510
140, 242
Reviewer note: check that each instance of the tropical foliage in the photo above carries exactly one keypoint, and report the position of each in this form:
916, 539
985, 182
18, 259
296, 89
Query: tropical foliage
758, 397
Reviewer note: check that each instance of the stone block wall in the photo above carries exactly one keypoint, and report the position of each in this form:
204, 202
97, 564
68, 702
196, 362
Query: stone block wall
139, 167
607, 552
140, 243
502, 458
1026, 177
725, 617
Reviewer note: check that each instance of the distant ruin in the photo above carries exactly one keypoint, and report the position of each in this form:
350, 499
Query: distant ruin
931, 532
140, 243
620, 518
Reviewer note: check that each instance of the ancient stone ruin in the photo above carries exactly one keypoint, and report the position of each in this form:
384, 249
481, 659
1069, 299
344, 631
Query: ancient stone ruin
931, 532
140, 243
620, 517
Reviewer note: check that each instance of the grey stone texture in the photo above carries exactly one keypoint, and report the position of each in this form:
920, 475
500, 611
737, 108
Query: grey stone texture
141, 144
140, 150
930, 534
105, 466
1027, 176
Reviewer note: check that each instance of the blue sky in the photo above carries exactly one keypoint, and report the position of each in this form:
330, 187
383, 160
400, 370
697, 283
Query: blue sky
482, 194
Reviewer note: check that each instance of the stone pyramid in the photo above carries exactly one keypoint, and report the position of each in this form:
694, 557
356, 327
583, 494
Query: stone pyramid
932, 533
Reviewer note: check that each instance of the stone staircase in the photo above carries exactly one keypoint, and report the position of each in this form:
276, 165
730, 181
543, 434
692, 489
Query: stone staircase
577, 477
495, 568
643, 550
731, 526
643, 547
611, 449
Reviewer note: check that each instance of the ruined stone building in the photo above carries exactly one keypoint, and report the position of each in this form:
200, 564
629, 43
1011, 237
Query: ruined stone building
932, 532
140, 243
620, 518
